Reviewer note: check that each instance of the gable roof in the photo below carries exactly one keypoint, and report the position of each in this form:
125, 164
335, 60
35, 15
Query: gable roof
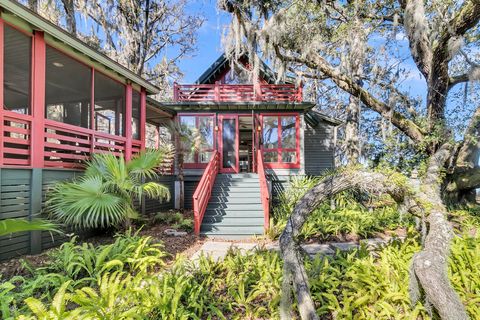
314, 117
58, 33
222, 65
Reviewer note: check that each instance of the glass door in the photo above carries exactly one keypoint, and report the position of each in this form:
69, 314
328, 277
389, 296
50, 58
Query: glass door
228, 143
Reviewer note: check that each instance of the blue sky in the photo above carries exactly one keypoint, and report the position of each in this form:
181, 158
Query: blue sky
209, 39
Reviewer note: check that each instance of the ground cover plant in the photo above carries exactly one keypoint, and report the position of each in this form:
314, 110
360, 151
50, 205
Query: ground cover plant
128, 280
345, 218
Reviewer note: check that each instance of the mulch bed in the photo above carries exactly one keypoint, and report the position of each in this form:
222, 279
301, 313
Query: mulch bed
186, 245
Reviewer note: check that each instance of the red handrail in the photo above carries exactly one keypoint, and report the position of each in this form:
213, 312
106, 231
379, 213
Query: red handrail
264, 194
204, 190
220, 92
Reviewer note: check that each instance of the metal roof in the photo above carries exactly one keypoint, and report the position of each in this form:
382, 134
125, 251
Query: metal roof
40, 23
313, 118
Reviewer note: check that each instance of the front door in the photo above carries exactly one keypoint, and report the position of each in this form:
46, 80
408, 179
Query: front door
228, 143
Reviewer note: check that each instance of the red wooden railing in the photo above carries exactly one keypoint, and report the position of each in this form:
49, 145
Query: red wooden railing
236, 92
68, 146
204, 190
264, 194
17, 133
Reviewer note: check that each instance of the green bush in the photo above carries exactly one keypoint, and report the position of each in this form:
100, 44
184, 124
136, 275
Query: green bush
344, 217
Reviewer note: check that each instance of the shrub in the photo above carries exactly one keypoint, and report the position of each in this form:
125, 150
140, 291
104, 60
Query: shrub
106, 194
345, 217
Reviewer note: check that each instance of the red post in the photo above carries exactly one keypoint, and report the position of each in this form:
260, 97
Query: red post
92, 113
300, 92
217, 91
128, 122
1, 91
38, 100
257, 90
143, 117
175, 91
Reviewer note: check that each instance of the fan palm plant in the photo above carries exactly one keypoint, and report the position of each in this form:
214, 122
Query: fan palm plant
106, 194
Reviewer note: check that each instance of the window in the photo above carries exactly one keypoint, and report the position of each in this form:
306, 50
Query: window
109, 105
17, 70
280, 143
136, 115
67, 89
197, 138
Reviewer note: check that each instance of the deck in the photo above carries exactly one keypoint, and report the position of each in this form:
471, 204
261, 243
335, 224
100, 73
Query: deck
219, 92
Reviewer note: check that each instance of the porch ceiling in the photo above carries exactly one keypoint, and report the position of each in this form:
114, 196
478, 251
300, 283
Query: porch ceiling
238, 106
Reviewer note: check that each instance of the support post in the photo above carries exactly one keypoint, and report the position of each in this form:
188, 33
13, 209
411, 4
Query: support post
217, 91
35, 208
128, 123
257, 90
38, 101
1, 91
143, 116
175, 91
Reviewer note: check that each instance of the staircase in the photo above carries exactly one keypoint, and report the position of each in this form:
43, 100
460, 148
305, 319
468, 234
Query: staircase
235, 207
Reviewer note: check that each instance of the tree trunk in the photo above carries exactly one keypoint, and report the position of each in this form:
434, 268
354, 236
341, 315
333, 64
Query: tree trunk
352, 132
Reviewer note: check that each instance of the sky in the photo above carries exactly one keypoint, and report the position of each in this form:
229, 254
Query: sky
209, 39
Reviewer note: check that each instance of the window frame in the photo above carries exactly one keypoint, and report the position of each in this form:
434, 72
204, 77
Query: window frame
279, 164
196, 164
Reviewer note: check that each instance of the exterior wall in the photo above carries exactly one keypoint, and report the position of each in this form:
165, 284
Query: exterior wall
22, 196
319, 149
154, 206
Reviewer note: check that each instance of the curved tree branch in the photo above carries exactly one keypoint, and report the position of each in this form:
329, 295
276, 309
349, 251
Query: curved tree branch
315, 61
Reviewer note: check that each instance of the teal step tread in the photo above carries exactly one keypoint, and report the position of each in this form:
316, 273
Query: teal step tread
229, 236
234, 213
236, 206
233, 221
233, 230
232, 190
237, 176
238, 195
232, 201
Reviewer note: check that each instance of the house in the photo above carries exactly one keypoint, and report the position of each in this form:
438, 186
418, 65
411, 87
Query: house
62, 102
254, 137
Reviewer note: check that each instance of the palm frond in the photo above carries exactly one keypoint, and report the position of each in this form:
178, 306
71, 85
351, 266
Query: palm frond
86, 204
146, 164
8, 226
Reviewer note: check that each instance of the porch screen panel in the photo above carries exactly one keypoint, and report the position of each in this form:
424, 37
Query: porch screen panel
17, 68
109, 105
136, 115
68, 89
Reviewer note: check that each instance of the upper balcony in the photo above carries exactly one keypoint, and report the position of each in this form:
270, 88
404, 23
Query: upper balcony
219, 92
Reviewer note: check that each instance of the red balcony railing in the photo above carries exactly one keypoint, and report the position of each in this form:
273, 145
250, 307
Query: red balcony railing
264, 194
204, 190
219, 92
